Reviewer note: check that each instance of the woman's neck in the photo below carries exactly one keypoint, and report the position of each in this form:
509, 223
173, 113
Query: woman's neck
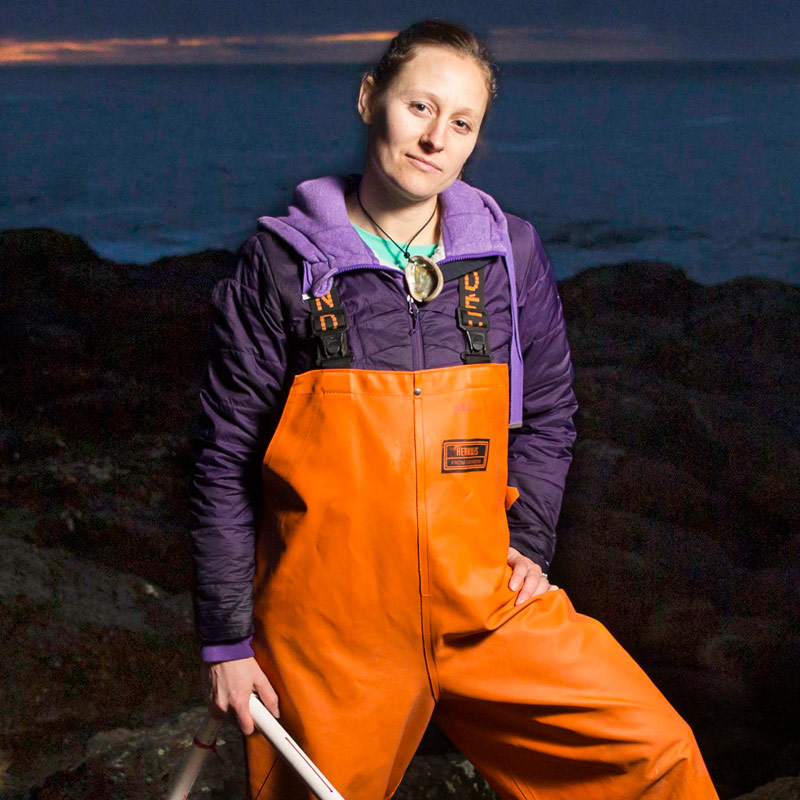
401, 220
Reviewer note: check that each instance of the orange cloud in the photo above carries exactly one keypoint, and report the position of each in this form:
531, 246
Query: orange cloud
366, 36
528, 43
47, 51
269, 48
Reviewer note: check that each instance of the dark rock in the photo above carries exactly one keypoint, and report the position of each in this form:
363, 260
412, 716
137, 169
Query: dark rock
781, 789
142, 764
678, 530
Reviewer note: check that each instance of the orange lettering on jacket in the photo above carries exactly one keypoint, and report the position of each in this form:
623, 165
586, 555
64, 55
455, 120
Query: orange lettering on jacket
472, 281
323, 322
327, 299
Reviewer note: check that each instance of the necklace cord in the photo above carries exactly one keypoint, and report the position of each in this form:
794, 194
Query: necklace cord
403, 250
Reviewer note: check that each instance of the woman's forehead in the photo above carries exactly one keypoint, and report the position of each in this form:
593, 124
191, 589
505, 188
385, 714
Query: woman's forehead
424, 57
434, 68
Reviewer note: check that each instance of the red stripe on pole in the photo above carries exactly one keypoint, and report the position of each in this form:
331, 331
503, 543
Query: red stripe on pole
203, 745
310, 765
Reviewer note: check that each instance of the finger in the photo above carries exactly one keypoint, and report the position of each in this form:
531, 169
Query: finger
534, 585
244, 718
519, 573
266, 694
245, 722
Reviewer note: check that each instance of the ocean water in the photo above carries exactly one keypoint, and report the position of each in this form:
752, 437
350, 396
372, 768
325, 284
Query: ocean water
695, 164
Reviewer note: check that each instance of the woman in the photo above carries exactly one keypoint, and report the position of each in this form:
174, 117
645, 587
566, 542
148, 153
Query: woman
396, 344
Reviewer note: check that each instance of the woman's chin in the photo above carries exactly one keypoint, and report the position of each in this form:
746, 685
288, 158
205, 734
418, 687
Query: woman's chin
418, 188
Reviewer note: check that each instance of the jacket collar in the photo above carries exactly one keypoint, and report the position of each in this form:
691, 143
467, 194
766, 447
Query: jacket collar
318, 229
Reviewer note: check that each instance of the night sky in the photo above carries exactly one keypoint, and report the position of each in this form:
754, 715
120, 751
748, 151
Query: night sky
165, 31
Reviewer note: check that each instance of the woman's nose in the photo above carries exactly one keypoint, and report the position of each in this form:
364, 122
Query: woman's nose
434, 135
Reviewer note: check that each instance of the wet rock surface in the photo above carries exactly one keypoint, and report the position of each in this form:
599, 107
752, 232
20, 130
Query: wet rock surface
679, 528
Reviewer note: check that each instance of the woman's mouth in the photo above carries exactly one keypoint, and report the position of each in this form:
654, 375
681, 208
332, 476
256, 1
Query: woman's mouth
421, 163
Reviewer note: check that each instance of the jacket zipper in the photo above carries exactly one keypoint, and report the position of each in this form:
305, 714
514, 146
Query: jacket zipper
417, 350
415, 333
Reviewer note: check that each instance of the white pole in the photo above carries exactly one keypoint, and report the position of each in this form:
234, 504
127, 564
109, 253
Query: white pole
277, 736
292, 752
203, 742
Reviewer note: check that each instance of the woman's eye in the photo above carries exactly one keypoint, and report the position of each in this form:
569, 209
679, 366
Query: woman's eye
463, 125
420, 106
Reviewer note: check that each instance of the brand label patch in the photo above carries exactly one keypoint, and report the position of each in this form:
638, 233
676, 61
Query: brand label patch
465, 455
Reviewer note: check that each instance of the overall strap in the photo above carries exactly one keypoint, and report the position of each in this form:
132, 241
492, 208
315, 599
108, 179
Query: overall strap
472, 318
329, 325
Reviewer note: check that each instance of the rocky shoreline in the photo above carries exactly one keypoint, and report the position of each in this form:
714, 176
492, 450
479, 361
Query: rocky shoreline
679, 528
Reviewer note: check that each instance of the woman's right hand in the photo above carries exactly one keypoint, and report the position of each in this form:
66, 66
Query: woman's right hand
232, 683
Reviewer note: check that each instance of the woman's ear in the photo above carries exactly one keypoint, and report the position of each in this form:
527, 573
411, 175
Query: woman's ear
365, 98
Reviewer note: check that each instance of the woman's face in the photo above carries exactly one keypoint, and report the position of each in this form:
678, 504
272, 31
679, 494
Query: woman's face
426, 124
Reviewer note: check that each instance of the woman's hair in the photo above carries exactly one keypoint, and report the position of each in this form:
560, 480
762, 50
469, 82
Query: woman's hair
432, 32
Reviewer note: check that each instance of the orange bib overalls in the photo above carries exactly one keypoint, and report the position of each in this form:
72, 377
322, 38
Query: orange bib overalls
381, 598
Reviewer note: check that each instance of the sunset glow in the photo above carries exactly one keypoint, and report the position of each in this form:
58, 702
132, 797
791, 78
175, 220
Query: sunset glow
527, 43
14, 51
354, 46
364, 36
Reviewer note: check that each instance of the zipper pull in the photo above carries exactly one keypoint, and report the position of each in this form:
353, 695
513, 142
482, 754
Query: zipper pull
412, 309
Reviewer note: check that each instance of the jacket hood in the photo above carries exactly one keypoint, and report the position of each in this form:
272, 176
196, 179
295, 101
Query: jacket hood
318, 229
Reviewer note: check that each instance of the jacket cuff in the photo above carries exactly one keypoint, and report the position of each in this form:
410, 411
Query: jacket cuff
227, 651
522, 542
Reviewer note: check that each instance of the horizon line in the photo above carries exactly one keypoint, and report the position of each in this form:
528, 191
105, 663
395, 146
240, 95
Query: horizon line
529, 45
715, 59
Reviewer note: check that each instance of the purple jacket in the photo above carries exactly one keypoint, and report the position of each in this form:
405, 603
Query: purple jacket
260, 338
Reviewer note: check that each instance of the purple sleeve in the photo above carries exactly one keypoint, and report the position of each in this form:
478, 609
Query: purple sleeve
240, 397
540, 451
227, 651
